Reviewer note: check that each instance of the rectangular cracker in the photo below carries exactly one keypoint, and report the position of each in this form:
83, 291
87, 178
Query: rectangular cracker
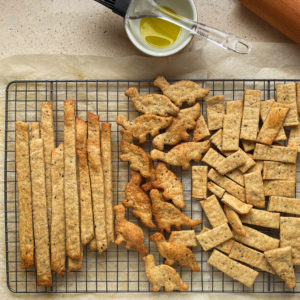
233, 269
75, 264
232, 125
279, 170
250, 257
236, 204
248, 145
294, 138
234, 220
275, 153
261, 218
186, 237
254, 189
272, 124
58, 249
35, 130
285, 205
213, 211
214, 237
257, 239
285, 188
24, 195
47, 134
216, 139
215, 112
40, 219
215, 189
298, 96
97, 181
286, 94
227, 184
70, 184
248, 164
199, 179
107, 174
251, 111
201, 131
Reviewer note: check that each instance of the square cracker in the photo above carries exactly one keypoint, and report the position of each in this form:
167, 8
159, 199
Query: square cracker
250, 257
215, 189
201, 131
233, 269
234, 220
213, 211
279, 170
236, 204
285, 188
294, 138
261, 218
254, 189
199, 179
250, 121
186, 237
284, 205
232, 125
215, 112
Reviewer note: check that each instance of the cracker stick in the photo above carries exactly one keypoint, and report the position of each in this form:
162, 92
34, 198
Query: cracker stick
97, 182
294, 138
186, 237
254, 188
257, 239
70, 182
107, 172
24, 193
215, 189
215, 112
285, 205
278, 170
261, 218
250, 121
285, 188
214, 237
35, 130
286, 94
298, 96
40, 219
233, 269
275, 153
199, 179
248, 145
250, 257
272, 124
47, 134
75, 264
232, 125
201, 131
248, 164
58, 250
227, 184
237, 205
216, 139
234, 220
213, 211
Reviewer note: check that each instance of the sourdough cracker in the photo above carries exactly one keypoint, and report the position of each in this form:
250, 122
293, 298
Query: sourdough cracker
199, 179
237, 176
254, 189
236, 204
278, 170
261, 218
215, 189
201, 131
215, 112
75, 264
285, 188
186, 237
284, 205
35, 130
248, 164
248, 145
216, 139
234, 221
213, 158
257, 167
294, 138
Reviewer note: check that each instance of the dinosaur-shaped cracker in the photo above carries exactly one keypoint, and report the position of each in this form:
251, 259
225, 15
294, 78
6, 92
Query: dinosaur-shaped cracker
143, 125
139, 160
167, 215
155, 104
182, 154
138, 200
177, 132
181, 91
169, 182
147, 186
126, 231
175, 252
163, 276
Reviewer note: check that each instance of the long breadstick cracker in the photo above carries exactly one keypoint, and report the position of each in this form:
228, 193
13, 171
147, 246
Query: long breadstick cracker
234, 220
232, 125
294, 138
250, 121
201, 131
233, 269
35, 130
278, 170
285, 188
199, 179
71, 187
254, 189
24, 194
47, 134
58, 249
75, 264
215, 112
215, 189
236, 204
284, 205
40, 219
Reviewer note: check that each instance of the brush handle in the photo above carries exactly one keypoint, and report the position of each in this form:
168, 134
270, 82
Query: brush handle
117, 6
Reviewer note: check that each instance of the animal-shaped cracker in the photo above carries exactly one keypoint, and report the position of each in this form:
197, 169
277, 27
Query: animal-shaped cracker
155, 104
143, 125
170, 183
139, 160
138, 200
163, 276
126, 231
174, 252
182, 154
181, 91
167, 215
147, 186
177, 132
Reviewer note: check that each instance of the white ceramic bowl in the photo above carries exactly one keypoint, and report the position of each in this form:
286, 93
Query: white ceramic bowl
185, 8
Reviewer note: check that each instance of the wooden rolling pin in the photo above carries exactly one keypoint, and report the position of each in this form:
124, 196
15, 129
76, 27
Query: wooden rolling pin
282, 14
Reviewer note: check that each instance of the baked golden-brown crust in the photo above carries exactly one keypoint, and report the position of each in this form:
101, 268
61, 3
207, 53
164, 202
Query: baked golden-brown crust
35, 130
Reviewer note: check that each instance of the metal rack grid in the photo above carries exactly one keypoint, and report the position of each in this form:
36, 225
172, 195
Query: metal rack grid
116, 270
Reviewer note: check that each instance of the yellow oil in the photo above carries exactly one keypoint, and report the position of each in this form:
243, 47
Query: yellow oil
159, 33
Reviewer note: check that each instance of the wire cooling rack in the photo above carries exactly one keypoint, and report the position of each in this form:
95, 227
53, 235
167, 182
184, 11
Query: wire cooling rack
116, 270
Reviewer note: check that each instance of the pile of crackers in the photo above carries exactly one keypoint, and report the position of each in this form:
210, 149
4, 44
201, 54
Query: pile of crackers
64, 193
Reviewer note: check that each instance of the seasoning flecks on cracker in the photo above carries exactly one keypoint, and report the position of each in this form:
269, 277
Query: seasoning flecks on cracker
284, 205
215, 112
278, 170
201, 130
254, 188
199, 179
215, 189
236, 204
234, 221
186, 237
284, 188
